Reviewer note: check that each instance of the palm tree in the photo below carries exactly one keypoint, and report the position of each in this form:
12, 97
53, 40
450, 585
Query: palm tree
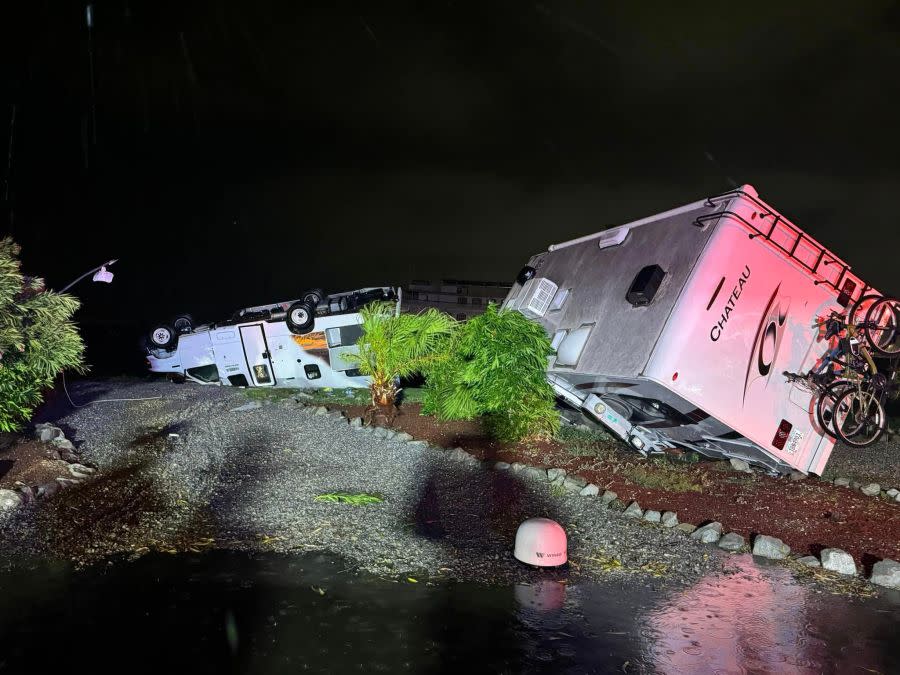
395, 345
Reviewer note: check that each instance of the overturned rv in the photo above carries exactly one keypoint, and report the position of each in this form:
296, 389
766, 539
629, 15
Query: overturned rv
675, 330
298, 343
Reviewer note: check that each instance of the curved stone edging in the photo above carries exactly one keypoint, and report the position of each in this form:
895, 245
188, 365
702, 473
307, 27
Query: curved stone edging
885, 573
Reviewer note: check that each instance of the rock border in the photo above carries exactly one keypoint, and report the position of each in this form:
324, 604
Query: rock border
58, 447
885, 573
872, 489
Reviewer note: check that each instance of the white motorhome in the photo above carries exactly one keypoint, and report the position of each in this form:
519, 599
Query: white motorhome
289, 344
675, 330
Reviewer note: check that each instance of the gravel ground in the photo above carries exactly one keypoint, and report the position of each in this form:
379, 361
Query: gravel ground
247, 479
879, 462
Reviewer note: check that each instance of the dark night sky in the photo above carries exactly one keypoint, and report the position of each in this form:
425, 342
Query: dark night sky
246, 151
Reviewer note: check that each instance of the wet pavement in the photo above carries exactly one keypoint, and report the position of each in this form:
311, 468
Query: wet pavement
279, 613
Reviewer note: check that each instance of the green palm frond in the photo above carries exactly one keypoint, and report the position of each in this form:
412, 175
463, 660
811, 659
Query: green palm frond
37, 338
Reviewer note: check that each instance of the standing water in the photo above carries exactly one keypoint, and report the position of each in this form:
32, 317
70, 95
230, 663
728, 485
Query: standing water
228, 612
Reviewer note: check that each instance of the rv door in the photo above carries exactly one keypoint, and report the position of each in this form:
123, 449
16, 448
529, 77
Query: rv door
256, 351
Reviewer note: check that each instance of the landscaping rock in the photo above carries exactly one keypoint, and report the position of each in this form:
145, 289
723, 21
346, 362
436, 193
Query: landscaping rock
47, 489
554, 475
809, 561
616, 505
320, 410
893, 493
634, 510
402, 436
607, 497
80, 470
871, 489
836, 560
886, 573
709, 533
669, 519
731, 542
535, 474
687, 528
378, 432
770, 547
574, 484
9, 500
740, 465
798, 475
855, 485
356, 422
652, 516
842, 482
590, 490
501, 466
49, 433
517, 466
63, 444
417, 444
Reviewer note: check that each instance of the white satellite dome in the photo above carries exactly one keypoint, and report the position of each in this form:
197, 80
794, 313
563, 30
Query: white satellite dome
541, 542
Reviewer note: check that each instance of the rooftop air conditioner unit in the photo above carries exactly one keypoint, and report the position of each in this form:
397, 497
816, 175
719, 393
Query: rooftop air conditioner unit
538, 295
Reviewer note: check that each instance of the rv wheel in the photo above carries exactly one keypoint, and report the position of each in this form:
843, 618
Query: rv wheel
183, 324
525, 274
314, 296
300, 317
163, 336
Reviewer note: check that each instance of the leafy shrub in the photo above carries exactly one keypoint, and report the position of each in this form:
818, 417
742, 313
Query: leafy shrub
37, 339
495, 366
398, 345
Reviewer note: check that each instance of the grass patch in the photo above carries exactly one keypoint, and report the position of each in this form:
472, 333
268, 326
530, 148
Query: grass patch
269, 393
581, 442
354, 499
660, 474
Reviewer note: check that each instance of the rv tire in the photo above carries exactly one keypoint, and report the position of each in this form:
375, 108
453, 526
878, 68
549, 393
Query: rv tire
314, 296
300, 317
183, 324
163, 336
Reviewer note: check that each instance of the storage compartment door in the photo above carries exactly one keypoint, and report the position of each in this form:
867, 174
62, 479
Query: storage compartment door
256, 351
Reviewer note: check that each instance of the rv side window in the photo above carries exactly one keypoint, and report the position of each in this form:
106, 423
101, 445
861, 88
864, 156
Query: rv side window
204, 373
344, 336
571, 346
312, 371
557, 338
559, 299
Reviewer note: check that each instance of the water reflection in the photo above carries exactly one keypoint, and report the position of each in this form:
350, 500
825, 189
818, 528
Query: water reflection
229, 612
758, 619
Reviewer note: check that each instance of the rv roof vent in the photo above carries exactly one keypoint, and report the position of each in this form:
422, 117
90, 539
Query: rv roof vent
538, 299
612, 237
645, 285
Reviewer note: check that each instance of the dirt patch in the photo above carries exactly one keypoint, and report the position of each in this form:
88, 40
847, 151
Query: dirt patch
30, 462
808, 515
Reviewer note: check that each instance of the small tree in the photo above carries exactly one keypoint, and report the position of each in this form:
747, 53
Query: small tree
37, 339
496, 367
394, 346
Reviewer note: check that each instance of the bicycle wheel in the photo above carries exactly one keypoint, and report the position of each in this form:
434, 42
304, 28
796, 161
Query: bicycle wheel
859, 418
825, 405
859, 308
882, 326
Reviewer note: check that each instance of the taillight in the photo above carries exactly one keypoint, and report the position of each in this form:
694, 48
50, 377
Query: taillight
781, 436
